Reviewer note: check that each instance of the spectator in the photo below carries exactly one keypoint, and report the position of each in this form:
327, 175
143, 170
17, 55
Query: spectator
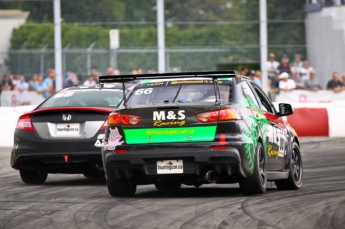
140, 71
273, 86
89, 81
16, 81
33, 81
343, 79
175, 70
71, 80
110, 71
254, 78
335, 84
6, 83
298, 61
286, 84
116, 72
23, 88
95, 73
305, 71
244, 71
312, 84
49, 82
284, 65
40, 87
298, 81
272, 65
151, 71
134, 72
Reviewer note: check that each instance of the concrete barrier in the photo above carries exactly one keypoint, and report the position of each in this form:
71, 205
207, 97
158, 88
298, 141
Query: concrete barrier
8, 121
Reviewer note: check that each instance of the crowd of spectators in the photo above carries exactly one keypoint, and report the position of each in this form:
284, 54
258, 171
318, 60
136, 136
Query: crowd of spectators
46, 86
298, 74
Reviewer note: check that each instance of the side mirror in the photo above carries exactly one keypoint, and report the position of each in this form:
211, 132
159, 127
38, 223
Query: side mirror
285, 109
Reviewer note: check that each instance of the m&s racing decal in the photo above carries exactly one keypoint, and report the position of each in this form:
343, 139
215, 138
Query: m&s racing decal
169, 118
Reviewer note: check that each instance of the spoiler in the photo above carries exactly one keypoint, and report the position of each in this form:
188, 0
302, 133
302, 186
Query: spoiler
207, 74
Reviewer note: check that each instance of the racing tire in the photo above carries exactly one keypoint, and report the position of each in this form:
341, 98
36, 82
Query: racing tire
33, 176
257, 182
168, 185
121, 188
294, 181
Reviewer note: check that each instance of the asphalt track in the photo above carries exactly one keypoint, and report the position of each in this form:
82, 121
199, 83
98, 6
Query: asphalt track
72, 201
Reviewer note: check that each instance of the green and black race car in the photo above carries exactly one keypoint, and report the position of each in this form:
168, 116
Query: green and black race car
196, 128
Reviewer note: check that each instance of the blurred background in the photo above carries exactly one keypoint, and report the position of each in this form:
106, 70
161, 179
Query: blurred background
199, 35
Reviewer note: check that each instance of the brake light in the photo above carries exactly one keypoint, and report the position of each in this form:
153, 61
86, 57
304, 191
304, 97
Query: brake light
218, 115
24, 123
123, 119
219, 147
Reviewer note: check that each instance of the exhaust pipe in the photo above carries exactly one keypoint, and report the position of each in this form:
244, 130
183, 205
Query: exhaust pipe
211, 176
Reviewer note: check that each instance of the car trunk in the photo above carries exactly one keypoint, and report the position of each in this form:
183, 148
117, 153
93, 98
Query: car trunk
170, 123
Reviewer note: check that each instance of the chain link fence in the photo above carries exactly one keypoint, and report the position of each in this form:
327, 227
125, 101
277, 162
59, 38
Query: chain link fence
199, 34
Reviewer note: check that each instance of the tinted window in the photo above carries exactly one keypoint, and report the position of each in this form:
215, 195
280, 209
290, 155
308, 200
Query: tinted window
85, 97
249, 95
191, 93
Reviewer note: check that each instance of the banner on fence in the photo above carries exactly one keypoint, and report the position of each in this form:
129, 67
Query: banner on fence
11, 98
303, 96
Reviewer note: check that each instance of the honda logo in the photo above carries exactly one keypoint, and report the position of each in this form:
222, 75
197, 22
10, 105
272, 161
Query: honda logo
66, 117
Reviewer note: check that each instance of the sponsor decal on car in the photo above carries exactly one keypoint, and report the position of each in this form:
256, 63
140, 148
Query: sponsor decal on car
166, 135
172, 118
113, 140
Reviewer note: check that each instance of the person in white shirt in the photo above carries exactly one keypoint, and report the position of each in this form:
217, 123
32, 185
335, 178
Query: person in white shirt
286, 84
89, 81
305, 71
272, 65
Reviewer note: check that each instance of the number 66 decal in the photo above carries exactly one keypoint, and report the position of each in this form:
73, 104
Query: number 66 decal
145, 91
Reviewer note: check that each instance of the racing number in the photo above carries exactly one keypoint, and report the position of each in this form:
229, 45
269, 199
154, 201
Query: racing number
145, 91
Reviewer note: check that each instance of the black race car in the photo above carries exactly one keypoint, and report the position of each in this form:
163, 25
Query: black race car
197, 128
64, 133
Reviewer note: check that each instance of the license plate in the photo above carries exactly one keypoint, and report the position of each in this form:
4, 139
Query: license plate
67, 129
169, 166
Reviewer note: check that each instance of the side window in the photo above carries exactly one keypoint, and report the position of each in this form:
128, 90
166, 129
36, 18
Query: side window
266, 104
249, 95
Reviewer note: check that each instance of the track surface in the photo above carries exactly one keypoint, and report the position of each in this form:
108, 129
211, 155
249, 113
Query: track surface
72, 201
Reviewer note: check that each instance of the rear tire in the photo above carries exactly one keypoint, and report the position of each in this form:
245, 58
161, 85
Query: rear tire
168, 185
33, 176
121, 188
256, 183
294, 180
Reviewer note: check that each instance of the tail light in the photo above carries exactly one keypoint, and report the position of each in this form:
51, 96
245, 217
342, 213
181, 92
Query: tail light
24, 123
223, 114
123, 119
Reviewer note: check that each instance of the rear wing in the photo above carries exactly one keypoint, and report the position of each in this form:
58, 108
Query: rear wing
207, 74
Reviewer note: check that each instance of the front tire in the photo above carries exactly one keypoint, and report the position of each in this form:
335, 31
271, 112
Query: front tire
121, 188
33, 176
294, 180
256, 183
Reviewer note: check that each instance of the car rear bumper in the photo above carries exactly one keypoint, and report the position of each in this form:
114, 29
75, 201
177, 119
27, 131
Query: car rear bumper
142, 160
55, 156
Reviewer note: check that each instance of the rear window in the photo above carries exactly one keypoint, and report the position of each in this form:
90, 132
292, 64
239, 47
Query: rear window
87, 98
191, 93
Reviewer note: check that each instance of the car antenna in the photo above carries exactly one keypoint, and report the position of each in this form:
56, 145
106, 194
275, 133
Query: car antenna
216, 89
124, 94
